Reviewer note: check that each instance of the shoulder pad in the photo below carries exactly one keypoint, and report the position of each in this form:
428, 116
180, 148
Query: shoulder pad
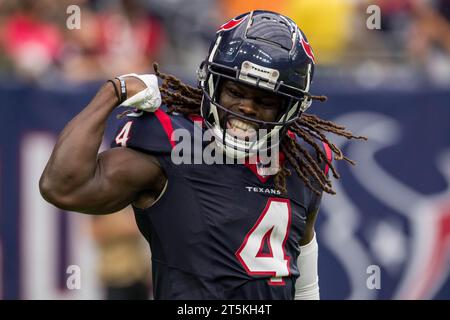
149, 132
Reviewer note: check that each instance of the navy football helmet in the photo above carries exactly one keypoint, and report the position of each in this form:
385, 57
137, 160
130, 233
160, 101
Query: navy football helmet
268, 51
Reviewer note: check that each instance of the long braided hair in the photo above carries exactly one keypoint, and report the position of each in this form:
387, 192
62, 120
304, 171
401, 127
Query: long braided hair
186, 100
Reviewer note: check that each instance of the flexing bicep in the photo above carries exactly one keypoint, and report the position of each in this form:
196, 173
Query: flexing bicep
121, 175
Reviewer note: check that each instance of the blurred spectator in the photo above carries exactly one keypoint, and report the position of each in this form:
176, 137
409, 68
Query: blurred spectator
418, 32
429, 41
118, 38
190, 29
30, 42
115, 38
431, 28
123, 36
130, 40
124, 265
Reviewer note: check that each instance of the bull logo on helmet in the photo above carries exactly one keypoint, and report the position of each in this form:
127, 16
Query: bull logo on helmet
233, 23
307, 48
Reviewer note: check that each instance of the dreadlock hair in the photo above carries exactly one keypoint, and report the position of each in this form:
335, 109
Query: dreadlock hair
186, 100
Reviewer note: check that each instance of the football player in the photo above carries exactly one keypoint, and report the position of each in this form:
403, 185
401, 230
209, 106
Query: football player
216, 231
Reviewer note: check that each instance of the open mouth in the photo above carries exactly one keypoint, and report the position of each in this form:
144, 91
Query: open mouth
241, 129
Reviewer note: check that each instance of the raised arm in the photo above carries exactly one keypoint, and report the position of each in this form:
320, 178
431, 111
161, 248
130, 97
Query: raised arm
76, 178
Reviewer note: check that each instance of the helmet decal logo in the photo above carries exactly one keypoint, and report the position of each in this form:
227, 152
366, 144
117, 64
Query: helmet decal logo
307, 48
233, 23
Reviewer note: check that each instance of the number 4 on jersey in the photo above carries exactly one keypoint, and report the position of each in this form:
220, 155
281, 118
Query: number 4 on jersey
124, 134
270, 231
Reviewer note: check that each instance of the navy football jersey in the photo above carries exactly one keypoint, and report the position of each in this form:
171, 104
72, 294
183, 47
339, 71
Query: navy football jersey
219, 231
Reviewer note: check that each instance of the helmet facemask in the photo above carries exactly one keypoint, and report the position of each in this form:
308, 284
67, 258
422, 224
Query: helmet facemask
264, 50
268, 133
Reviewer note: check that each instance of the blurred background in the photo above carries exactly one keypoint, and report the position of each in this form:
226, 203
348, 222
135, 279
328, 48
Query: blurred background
384, 64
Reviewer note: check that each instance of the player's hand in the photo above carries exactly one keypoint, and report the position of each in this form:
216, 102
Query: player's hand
142, 92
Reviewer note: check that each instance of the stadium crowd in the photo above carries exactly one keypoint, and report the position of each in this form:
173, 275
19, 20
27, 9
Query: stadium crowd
116, 37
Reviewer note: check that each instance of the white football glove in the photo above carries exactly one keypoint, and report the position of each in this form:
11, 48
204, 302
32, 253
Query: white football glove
149, 99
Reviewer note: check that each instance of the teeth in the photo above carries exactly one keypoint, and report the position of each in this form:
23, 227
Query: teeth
236, 123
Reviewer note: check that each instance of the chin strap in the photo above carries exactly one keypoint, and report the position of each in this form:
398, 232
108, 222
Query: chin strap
307, 285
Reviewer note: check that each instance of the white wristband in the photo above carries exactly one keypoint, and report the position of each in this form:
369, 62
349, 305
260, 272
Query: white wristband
307, 284
148, 99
